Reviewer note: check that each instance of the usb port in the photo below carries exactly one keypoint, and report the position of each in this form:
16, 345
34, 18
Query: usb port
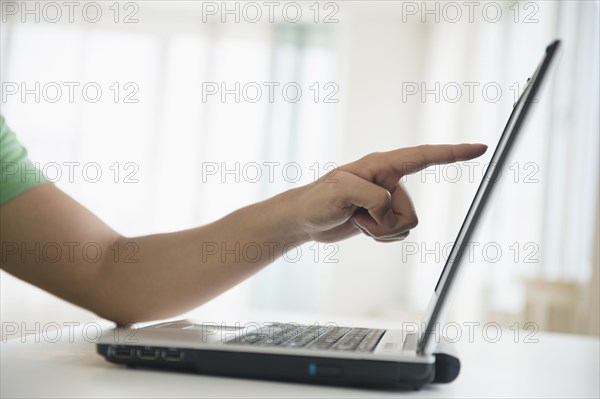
122, 352
172, 355
147, 353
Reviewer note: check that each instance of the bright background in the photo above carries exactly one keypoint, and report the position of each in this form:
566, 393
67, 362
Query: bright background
533, 258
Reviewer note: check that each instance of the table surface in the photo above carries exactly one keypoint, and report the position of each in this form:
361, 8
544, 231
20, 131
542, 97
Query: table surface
66, 365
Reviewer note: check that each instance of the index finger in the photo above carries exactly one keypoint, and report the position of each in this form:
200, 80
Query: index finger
386, 168
409, 160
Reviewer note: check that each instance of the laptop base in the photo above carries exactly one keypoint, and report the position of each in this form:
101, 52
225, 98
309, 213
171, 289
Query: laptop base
293, 368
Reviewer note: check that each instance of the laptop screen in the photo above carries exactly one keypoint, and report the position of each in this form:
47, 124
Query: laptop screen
515, 121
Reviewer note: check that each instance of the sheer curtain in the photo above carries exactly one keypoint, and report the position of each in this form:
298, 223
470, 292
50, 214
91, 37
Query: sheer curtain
548, 226
541, 221
174, 158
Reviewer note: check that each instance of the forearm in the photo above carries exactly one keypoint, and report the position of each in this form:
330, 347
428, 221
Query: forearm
161, 275
51, 241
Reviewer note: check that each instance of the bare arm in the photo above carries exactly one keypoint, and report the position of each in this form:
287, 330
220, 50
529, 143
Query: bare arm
139, 278
157, 276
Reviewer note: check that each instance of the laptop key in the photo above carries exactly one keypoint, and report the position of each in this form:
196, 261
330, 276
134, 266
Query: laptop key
251, 338
272, 335
370, 341
352, 339
334, 334
303, 339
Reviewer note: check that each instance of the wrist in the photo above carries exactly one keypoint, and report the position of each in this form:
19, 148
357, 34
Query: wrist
284, 211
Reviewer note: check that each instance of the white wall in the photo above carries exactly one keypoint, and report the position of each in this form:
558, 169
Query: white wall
373, 55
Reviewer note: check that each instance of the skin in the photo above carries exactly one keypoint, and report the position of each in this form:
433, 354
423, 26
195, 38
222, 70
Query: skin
152, 277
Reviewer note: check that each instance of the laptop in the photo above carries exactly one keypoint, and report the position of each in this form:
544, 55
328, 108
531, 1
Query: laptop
327, 354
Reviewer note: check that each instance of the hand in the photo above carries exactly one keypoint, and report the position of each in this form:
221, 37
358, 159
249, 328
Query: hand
367, 195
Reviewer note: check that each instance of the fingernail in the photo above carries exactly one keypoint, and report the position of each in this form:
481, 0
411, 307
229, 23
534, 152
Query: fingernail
389, 219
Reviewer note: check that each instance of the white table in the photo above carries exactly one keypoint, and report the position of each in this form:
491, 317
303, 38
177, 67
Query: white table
557, 366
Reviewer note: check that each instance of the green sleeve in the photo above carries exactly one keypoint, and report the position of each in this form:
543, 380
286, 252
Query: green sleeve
17, 172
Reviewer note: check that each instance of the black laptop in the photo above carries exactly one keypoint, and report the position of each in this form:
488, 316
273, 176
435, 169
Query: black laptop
327, 354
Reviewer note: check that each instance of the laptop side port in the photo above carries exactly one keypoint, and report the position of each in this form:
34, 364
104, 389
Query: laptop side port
122, 352
172, 355
147, 353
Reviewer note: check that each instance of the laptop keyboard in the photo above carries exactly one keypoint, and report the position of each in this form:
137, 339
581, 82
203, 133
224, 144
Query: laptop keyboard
312, 337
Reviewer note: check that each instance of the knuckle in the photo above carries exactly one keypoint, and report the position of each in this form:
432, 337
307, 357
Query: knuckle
384, 197
335, 183
373, 155
413, 221
409, 222
335, 175
371, 159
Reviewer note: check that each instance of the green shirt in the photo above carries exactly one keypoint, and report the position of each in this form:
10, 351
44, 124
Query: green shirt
17, 172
